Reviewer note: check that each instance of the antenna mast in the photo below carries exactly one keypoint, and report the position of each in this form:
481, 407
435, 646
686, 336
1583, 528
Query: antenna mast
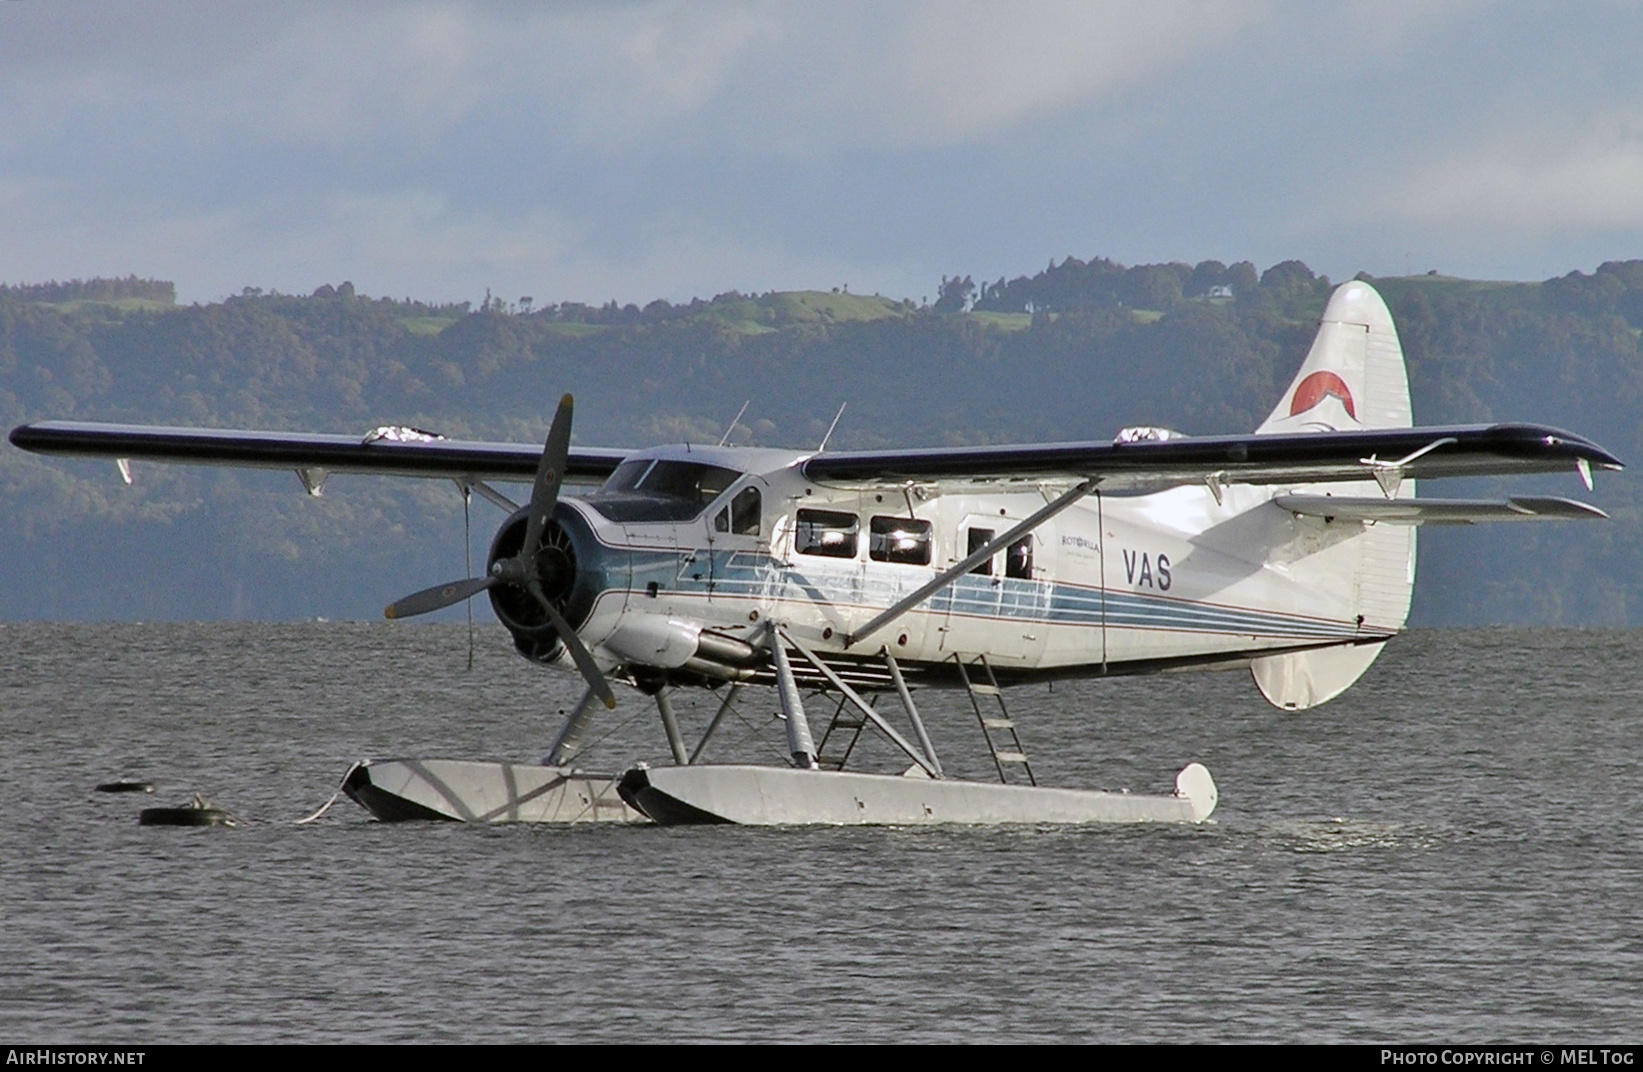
832, 426
733, 422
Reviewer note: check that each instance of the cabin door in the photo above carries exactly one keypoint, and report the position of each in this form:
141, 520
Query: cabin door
737, 537
1000, 608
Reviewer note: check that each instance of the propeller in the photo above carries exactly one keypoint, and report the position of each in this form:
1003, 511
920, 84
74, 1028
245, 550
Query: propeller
440, 595
523, 570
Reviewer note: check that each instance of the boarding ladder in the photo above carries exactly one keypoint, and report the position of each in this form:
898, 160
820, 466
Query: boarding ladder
844, 731
999, 731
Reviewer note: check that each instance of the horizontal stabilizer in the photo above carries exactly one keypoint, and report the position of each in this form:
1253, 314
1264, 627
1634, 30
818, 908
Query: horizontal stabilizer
1440, 511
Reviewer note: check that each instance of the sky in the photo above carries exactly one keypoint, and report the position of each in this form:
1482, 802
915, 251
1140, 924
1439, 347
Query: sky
637, 150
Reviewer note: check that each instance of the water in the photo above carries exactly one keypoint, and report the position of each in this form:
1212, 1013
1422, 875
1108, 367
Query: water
1447, 853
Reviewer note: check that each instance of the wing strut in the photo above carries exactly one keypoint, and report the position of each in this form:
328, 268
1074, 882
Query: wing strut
1389, 475
953, 573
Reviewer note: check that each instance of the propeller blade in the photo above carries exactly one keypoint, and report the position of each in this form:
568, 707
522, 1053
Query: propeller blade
440, 595
578, 651
549, 475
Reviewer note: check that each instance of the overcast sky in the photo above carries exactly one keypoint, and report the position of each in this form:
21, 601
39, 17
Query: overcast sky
636, 150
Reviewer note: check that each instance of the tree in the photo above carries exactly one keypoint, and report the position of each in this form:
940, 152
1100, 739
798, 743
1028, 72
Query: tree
954, 294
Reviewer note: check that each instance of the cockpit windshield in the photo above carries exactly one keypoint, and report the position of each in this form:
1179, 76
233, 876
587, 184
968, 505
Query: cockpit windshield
647, 489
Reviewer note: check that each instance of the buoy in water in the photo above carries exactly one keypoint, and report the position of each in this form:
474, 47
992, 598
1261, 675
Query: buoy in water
196, 813
126, 787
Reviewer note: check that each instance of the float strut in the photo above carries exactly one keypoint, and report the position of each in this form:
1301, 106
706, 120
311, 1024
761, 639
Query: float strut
912, 712
569, 739
867, 712
670, 725
800, 745
724, 709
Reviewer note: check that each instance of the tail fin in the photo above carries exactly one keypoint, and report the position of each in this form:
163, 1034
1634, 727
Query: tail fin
1353, 377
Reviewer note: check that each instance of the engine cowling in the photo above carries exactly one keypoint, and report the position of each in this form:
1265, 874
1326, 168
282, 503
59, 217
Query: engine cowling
570, 568
574, 569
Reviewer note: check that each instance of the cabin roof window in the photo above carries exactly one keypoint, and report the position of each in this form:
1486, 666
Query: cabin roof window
899, 539
826, 532
644, 489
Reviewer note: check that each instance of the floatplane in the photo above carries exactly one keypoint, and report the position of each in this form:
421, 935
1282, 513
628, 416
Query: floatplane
857, 575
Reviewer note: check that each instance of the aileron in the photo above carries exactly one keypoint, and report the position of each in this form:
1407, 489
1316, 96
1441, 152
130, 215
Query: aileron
1439, 511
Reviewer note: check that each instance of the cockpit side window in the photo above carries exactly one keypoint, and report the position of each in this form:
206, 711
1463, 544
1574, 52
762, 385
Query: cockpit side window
744, 512
742, 515
899, 539
826, 532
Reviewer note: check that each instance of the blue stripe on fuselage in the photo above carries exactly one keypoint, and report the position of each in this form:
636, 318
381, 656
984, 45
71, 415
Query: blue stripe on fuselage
744, 574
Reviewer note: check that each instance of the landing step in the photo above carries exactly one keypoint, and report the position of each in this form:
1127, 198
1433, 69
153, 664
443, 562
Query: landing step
1011, 757
783, 796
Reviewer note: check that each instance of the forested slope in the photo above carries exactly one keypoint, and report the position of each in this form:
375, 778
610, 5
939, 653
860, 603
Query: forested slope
1076, 351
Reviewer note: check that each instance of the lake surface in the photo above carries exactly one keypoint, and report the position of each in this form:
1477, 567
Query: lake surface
1448, 853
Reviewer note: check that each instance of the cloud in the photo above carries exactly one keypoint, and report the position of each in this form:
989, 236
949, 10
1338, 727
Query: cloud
1536, 181
278, 144
307, 73
636, 149
942, 72
408, 242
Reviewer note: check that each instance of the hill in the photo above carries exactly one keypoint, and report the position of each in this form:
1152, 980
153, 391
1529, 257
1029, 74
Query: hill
1076, 351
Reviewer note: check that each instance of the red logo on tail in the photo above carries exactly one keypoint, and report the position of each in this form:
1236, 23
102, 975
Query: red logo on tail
1318, 386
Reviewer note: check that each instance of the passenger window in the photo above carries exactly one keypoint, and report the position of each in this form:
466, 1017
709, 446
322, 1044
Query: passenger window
744, 512
979, 538
721, 521
826, 532
899, 539
1018, 562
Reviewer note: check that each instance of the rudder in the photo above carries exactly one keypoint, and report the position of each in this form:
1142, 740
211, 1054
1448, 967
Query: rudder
1353, 377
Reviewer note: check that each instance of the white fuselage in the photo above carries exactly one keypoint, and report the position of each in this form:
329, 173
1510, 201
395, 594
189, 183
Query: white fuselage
1115, 582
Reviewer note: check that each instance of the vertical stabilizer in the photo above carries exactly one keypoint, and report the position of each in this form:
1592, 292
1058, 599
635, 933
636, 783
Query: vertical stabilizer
1352, 378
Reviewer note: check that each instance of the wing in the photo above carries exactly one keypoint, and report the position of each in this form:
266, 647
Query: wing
384, 451
1296, 458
